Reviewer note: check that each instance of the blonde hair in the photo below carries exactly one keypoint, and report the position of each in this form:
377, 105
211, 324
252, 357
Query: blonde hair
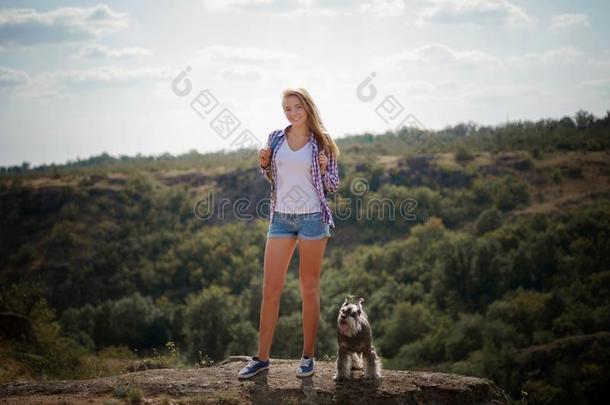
314, 122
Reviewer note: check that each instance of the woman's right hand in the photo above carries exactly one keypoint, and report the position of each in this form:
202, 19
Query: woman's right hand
264, 157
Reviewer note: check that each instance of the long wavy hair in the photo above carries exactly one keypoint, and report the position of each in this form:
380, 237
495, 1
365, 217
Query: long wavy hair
313, 120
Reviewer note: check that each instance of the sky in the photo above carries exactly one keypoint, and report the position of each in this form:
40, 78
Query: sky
81, 78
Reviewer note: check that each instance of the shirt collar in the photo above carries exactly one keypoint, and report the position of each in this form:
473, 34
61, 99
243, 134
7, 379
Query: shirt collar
311, 137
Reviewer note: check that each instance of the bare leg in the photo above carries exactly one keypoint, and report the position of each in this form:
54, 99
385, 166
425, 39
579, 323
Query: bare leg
311, 253
278, 252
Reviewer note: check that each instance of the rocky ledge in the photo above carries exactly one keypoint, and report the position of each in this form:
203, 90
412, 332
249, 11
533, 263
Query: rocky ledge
278, 385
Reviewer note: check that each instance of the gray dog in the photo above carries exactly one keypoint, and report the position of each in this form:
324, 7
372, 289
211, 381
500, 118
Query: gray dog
354, 338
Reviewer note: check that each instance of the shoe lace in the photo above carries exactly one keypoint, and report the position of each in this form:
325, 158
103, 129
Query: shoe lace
304, 362
252, 362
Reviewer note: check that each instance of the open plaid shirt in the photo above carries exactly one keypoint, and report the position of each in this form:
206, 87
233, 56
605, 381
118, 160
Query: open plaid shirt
322, 183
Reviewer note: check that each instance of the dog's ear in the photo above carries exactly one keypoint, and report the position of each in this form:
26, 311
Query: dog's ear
344, 302
360, 301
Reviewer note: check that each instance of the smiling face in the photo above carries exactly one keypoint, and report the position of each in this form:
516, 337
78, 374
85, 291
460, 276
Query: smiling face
295, 110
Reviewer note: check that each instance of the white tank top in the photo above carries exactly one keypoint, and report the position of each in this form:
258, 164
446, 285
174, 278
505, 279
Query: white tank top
296, 193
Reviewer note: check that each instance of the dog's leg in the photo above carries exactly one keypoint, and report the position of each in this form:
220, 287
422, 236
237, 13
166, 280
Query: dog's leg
343, 365
372, 364
377, 365
356, 361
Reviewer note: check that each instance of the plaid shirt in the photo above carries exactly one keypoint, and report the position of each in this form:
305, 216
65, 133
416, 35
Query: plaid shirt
322, 183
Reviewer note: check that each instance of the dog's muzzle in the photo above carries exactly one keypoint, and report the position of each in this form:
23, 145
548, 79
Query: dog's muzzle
344, 326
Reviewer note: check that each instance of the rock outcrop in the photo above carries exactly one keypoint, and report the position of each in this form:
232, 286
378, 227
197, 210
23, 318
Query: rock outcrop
278, 385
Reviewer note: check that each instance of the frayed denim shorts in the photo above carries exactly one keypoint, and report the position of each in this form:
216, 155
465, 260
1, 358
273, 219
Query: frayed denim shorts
303, 226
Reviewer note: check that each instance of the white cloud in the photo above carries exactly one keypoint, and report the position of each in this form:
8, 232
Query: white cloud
62, 84
110, 75
504, 92
426, 87
567, 54
12, 78
569, 21
26, 26
241, 73
237, 55
276, 6
465, 91
101, 51
562, 56
437, 56
477, 12
380, 8
600, 87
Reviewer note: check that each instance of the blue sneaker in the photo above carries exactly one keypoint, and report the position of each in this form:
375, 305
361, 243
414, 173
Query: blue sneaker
254, 366
306, 367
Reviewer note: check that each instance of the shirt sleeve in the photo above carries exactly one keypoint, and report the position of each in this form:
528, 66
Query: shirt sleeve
267, 172
330, 179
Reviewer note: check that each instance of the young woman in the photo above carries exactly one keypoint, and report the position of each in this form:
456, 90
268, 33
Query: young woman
302, 168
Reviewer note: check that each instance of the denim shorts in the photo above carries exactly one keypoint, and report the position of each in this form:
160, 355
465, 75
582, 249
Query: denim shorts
303, 226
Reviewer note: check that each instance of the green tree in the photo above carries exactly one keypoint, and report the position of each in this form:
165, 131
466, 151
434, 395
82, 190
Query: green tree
209, 315
407, 323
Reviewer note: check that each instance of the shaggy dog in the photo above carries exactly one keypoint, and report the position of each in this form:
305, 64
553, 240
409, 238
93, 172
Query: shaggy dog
354, 339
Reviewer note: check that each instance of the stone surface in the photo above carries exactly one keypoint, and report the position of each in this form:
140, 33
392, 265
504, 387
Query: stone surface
278, 385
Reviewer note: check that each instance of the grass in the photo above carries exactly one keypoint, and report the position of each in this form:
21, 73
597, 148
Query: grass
133, 394
223, 397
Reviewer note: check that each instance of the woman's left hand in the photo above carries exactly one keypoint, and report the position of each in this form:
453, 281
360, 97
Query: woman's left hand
323, 162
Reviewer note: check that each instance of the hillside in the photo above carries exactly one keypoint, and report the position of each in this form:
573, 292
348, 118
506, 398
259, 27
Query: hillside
496, 269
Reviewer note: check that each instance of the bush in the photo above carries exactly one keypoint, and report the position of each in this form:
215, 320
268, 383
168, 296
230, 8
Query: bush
462, 154
488, 220
45, 351
511, 193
